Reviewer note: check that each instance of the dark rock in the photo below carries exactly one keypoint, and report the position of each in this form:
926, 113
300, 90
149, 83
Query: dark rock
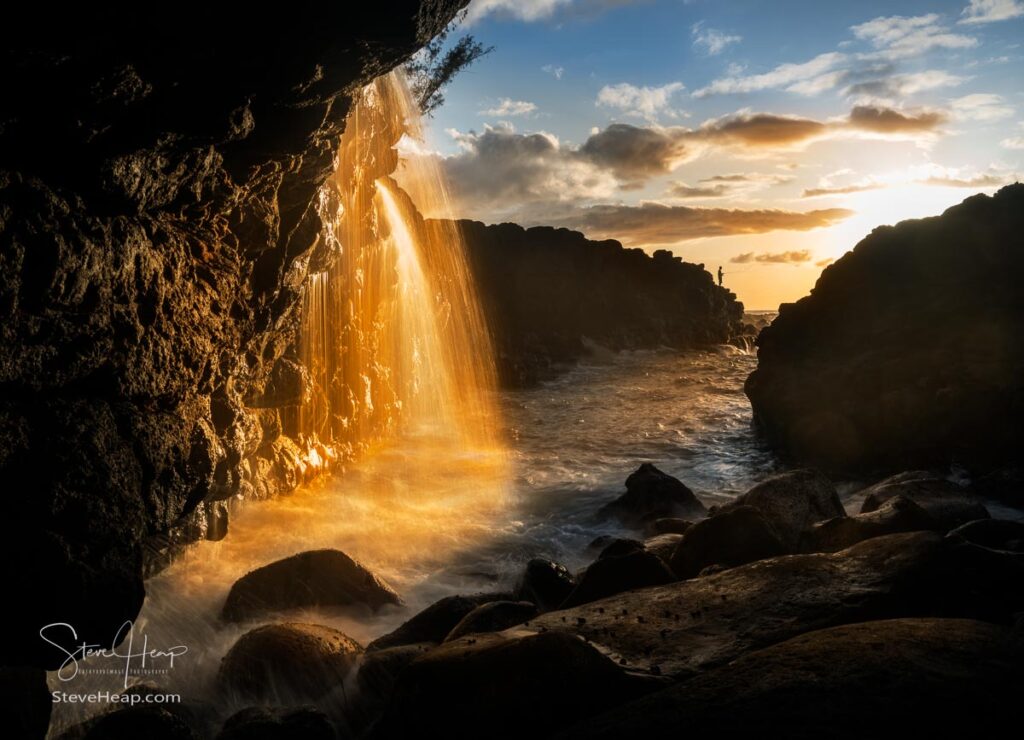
494, 617
545, 583
25, 702
941, 677
433, 623
791, 502
663, 545
612, 575
132, 723
287, 662
669, 525
498, 682
159, 215
997, 534
549, 294
907, 352
734, 537
1004, 484
898, 514
686, 627
651, 494
313, 578
270, 723
945, 502
620, 546
379, 669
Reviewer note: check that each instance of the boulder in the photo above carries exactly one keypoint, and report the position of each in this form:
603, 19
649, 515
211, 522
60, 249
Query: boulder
501, 685
898, 514
669, 525
620, 546
433, 623
663, 545
287, 662
941, 677
791, 502
131, 723
683, 628
996, 534
379, 669
734, 537
651, 494
277, 723
614, 574
25, 702
545, 583
313, 578
493, 616
944, 501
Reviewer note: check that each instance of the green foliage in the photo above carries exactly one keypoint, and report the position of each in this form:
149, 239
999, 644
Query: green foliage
436, 64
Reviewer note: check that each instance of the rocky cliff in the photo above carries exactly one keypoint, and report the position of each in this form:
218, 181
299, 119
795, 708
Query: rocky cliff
548, 293
908, 351
158, 216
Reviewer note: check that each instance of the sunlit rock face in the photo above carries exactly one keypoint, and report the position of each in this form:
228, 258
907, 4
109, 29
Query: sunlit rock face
158, 210
908, 351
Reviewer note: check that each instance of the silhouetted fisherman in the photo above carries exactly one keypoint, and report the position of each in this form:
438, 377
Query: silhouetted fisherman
720, 276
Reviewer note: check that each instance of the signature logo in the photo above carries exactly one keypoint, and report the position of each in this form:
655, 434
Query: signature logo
122, 648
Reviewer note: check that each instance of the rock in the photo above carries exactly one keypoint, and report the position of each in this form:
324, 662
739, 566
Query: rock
287, 662
898, 514
433, 623
791, 502
669, 525
545, 583
737, 536
1005, 484
620, 546
132, 723
494, 617
663, 545
944, 501
651, 494
267, 723
379, 669
313, 578
686, 627
952, 678
906, 353
997, 534
614, 574
499, 682
25, 702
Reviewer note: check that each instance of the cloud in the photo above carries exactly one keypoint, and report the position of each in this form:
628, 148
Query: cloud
978, 181
990, 11
901, 37
754, 130
655, 223
711, 40
646, 102
539, 10
682, 190
825, 262
1014, 142
756, 178
553, 70
509, 107
636, 153
782, 76
841, 190
882, 120
797, 257
901, 86
981, 107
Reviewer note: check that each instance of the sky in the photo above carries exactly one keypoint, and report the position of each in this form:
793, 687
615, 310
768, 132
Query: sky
765, 136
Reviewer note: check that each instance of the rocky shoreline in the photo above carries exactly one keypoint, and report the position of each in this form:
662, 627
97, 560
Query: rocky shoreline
778, 611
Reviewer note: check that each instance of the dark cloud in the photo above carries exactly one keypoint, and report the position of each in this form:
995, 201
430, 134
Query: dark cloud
635, 152
881, 120
750, 177
761, 130
682, 190
796, 257
654, 223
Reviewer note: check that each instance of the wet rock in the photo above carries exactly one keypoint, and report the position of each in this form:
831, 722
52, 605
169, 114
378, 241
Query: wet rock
997, 534
290, 661
651, 494
952, 678
669, 525
734, 537
132, 723
273, 723
898, 514
1005, 484
686, 627
945, 502
493, 617
379, 669
501, 681
25, 702
314, 578
620, 546
288, 384
791, 502
545, 583
663, 545
614, 574
433, 623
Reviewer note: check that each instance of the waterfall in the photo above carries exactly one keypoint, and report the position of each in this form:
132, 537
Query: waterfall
392, 331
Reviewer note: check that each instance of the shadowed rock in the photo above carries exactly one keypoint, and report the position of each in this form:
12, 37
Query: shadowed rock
25, 702
734, 537
791, 502
132, 723
314, 578
493, 617
941, 677
651, 494
545, 583
896, 515
669, 525
268, 723
614, 574
287, 662
620, 546
946, 503
997, 534
663, 545
433, 623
